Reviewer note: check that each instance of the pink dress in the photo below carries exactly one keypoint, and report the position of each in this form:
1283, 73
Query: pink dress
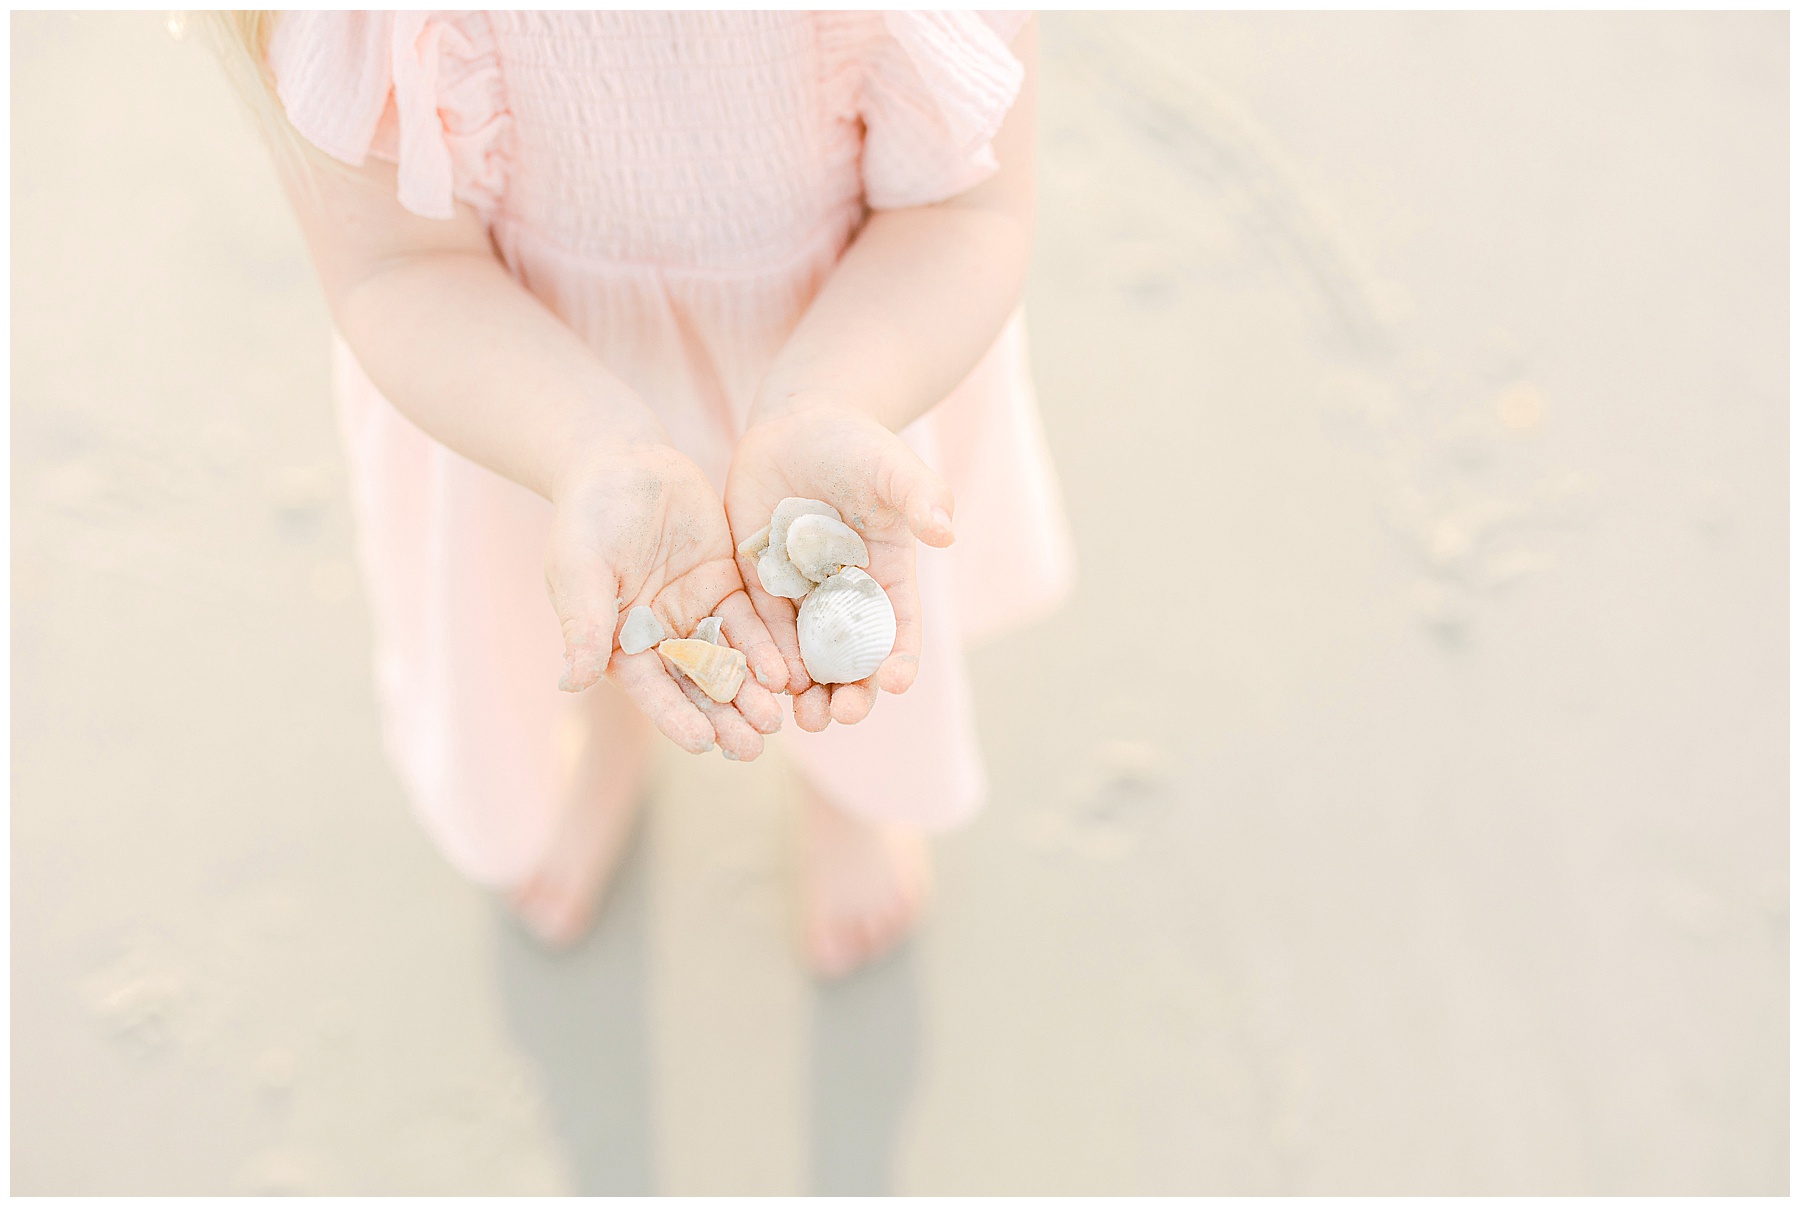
676, 187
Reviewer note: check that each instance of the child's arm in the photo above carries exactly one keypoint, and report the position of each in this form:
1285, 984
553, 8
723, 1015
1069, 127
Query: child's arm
464, 351
912, 306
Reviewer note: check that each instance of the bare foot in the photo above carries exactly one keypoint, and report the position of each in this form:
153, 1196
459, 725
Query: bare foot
557, 902
863, 886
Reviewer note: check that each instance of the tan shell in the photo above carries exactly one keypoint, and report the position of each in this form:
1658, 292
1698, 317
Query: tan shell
718, 669
846, 628
819, 546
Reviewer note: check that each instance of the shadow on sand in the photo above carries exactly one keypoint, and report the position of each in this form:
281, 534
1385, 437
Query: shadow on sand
866, 1041
581, 1017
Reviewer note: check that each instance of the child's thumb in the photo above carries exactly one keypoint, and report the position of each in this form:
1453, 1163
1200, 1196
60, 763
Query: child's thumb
923, 497
585, 596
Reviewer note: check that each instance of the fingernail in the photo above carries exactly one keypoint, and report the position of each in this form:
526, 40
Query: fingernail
940, 517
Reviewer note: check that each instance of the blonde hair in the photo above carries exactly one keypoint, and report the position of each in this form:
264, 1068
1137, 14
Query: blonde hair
240, 40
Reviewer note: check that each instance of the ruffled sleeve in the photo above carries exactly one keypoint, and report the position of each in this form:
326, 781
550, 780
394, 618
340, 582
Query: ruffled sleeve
423, 91
935, 88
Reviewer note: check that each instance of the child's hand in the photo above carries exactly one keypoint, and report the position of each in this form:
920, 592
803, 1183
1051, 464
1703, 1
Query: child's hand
835, 453
640, 524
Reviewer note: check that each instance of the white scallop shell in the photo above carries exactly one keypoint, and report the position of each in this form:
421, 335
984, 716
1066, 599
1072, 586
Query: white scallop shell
846, 628
819, 546
710, 629
640, 631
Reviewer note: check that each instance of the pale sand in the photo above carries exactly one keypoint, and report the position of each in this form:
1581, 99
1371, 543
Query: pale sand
1430, 374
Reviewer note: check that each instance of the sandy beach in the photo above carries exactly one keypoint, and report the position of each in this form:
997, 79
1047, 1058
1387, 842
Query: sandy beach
1428, 373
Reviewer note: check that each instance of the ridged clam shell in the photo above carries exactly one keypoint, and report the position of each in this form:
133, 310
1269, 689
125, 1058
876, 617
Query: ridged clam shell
846, 628
778, 575
718, 669
819, 546
640, 631
711, 629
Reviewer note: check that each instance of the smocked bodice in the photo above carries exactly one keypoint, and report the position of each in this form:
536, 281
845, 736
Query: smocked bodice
697, 141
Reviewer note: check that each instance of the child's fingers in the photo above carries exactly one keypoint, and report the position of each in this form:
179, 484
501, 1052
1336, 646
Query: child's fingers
901, 667
851, 702
745, 630
777, 615
908, 485
647, 682
758, 705
737, 741
812, 708
584, 592
897, 673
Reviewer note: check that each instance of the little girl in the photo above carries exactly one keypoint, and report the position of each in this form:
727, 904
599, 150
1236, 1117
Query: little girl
608, 287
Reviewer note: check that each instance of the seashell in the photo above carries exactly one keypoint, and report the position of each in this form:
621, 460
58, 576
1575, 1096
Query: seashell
791, 509
778, 575
640, 631
773, 569
819, 546
755, 543
846, 628
711, 629
718, 669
